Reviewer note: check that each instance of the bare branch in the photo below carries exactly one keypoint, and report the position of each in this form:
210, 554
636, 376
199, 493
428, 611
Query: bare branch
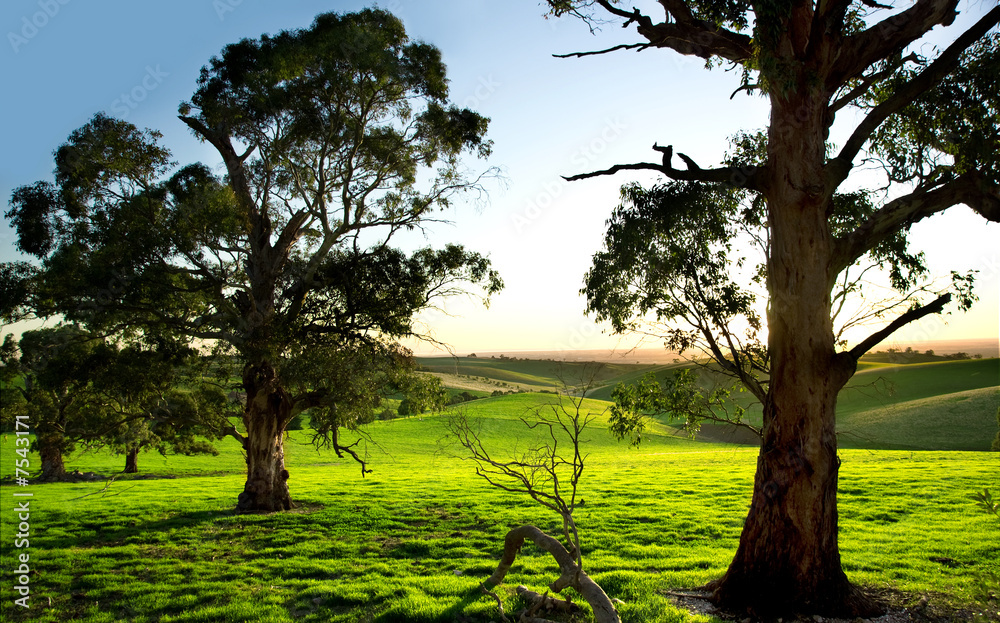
934, 307
624, 46
868, 81
349, 449
739, 177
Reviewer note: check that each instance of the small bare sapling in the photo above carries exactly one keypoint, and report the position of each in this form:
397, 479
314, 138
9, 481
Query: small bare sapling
549, 472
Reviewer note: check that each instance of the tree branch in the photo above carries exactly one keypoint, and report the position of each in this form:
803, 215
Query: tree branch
860, 51
972, 189
624, 46
738, 177
868, 81
338, 449
686, 34
839, 167
571, 575
935, 307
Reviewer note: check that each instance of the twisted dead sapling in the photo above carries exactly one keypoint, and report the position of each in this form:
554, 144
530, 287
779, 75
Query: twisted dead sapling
548, 472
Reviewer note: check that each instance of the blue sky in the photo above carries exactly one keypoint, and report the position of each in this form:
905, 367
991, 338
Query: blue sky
64, 60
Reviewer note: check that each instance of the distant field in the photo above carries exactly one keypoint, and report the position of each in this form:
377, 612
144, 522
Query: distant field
942, 405
411, 542
928, 406
532, 374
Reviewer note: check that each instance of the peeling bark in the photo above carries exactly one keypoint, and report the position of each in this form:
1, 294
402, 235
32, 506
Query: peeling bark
788, 560
267, 413
571, 575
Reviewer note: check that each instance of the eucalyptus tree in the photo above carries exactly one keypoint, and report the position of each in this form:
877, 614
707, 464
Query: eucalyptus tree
76, 388
927, 118
157, 396
47, 375
333, 139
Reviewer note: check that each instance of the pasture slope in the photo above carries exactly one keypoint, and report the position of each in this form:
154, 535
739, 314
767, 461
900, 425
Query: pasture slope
411, 541
940, 405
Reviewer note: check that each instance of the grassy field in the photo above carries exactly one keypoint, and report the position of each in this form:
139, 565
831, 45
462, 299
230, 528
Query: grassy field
940, 405
412, 541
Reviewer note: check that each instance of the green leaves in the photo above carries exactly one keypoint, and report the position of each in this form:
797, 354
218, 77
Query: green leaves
951, 129
686, 395
986, 501
32, 213
348, 83
16, 290
105, 160
667, 253
354, 293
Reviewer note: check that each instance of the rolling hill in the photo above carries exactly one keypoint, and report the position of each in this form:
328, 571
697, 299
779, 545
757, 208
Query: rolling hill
937, 405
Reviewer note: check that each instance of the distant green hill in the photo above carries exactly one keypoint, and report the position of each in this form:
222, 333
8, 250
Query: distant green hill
532, 374
939, 405
948, 405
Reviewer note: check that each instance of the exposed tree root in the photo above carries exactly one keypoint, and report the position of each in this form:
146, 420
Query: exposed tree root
571, 575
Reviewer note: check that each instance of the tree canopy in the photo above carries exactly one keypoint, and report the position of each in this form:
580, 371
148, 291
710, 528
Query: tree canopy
333, 139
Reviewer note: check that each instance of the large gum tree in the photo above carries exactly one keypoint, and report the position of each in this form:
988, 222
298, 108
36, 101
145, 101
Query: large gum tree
333, 139
929, 116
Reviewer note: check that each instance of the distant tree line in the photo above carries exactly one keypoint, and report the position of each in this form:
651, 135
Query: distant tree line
910, 355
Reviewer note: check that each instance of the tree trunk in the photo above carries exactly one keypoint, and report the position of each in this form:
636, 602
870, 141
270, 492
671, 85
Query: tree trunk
50, 451
266, 415
788, 560
131, 460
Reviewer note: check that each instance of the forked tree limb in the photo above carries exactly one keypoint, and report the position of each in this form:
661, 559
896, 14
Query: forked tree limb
738, 177
840, 167
571, 575
895, 32
972, 189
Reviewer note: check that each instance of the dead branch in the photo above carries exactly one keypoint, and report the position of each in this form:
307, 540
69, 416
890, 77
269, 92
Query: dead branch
934, 307
496, 598
538, 474
571, 575
624, 46
735, 176
546, 602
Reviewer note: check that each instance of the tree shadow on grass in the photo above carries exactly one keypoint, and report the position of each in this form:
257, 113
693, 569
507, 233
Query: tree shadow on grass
106, 529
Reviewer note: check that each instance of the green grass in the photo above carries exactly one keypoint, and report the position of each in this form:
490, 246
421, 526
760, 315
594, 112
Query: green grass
412, 541
941, 405
949, 405
944, 405
535, 375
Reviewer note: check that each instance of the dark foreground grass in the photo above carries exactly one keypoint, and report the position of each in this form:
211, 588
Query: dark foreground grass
412, 541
